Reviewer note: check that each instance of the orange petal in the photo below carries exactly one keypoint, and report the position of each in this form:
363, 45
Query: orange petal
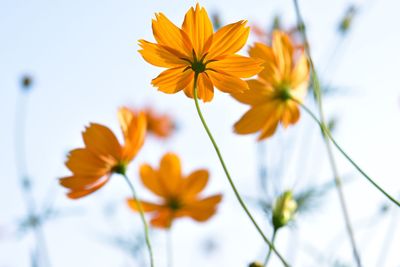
83, 162
75, 194
238, 66
227, 83
101, 141
205, 87
270, 73
228, 40
197, 25
78, 182
173, 80
291, 114
283, 50
146, 206
254, 119
151, 180
157, 55
195, 183
169, 35
201, 210
170, 173
162, 219
258, 93
300, 73
134, 126
268, 129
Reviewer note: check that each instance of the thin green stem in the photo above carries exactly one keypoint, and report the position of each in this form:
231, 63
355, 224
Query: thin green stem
326, 132
239, 198
318, 96
269, 249
145, 225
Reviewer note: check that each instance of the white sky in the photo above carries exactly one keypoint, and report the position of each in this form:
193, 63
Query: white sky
83, 55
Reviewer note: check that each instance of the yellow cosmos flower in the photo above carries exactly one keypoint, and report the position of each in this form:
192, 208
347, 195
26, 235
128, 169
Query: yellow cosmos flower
195, 48
179, 194
93, 165
273, 96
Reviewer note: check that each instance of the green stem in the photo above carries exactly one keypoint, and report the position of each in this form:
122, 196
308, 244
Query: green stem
326, 132
239, 198
145, 225
269, 250
318, 96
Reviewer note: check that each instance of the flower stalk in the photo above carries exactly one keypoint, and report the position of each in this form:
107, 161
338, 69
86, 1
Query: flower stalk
236, 192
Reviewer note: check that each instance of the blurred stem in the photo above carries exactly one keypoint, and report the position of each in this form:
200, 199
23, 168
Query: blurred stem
145, 225
25, 181
170, 255
228, 176
317, 93
328, 134
269, 250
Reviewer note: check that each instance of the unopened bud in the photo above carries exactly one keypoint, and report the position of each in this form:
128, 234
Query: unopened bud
284, 210
255, 264
347, 19
26, 82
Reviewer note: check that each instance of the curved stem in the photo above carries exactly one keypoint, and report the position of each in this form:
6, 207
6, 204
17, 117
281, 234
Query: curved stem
145, 225
269, 250
239, 198
326, 132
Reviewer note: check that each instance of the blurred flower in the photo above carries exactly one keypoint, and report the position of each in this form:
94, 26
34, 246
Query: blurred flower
284, 210
216, 20
161, 126
197, 49
273, 95
26, 82
103, 155
179, 194
347, 19
256, 264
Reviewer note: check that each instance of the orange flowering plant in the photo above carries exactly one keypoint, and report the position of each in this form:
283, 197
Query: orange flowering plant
93, 165
196, 49
273, 96
159, 125
178, 193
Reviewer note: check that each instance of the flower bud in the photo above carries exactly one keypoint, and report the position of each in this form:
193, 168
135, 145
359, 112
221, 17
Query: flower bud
284, 210
255, 264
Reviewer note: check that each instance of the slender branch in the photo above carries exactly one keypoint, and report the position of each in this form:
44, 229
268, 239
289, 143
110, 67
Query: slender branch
317, 92
239, 198
145, 225
269, 250
326, 132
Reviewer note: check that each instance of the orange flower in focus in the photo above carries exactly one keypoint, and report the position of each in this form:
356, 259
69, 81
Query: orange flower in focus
272, 97
179, 195
161, 126
195, 48
103, 155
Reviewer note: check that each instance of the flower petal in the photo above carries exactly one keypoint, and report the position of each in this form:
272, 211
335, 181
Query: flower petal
300, 73
203, 209
157, 55
162, 218
238, 66
151, 180
283, 50
197, 25
78, 182
228, 40
258, 93
205, 87
227, 83
173, 80
134, 126
100, 140
146, 206
75, 194
169, 35
195, 183
83, 162
170, 174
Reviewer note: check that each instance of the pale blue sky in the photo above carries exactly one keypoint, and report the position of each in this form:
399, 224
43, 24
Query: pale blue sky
83, 55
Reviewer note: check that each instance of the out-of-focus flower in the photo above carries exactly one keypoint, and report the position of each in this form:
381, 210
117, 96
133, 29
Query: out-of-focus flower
159, 125
347, 19
93, 165
26, 82
179, 195
272, 97
196, 49
256, 264
283, 210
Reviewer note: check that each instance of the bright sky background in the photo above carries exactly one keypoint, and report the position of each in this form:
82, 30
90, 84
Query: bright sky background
83, 56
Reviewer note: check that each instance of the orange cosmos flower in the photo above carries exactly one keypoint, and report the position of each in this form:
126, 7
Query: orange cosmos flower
272, 97
161, 126
195, 48
179, 194
93, 165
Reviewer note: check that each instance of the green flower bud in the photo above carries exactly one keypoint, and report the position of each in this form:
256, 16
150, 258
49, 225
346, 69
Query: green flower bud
255, 264
284, 210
